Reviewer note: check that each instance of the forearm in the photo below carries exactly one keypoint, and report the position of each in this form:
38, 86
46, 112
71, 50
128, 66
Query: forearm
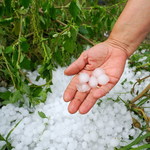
132, 26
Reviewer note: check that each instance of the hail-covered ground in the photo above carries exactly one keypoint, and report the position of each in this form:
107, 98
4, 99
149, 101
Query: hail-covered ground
102, 128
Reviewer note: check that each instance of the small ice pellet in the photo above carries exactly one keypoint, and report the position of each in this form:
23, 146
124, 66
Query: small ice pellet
103, 79
114, 142
93, 82
97, 72
83, 77
83, 87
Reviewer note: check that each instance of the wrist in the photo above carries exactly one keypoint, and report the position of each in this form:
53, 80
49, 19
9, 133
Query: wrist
119, 45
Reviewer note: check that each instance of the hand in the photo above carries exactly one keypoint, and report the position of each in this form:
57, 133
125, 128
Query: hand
110, 58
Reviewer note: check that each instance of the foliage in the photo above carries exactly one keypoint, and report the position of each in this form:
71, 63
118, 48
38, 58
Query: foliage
8, 144
46, 33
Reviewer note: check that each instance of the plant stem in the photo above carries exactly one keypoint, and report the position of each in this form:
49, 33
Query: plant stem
142, 65
25, 76
141, 94
139, 81
19, 47
58, 38
83, 37
11, 75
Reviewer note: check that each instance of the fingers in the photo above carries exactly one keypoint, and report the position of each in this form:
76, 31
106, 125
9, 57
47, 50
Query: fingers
84, 106
71, 89
78, 65
87, 104
76, 102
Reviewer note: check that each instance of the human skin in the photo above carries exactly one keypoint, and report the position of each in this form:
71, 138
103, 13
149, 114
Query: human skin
128, 32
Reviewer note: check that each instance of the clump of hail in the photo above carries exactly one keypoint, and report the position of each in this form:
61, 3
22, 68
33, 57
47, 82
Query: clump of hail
86, 82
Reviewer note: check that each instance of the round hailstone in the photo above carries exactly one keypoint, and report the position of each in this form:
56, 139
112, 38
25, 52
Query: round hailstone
103, 79
93, 82
97, 72
93, 136
114, 142
83, 77
83, 87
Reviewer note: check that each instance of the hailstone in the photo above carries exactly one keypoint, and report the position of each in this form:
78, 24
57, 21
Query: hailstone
103, 79
97, 72
93, 82
83, 77
83, 87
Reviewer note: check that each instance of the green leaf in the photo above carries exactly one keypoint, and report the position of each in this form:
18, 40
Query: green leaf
82, 30
1, 31
5, 95
74, 9
25, 3
8, 49
112, 24
37, 92
41, 114
15, 56
1, 138
48, 50
122, 83
58, 57
25, 63
12, 130
113, 11
74, 32
16, 96
68, 45
53, 12
37, 78
26, 88
24, 45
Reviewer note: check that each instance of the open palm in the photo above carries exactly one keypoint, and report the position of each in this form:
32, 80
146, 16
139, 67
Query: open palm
111, 59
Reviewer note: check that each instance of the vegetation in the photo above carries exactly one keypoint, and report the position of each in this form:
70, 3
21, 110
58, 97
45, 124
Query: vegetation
49, 33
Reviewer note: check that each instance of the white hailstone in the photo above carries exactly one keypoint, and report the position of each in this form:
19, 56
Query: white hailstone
114, 142
103, 79
19, 146
84, 145
118, 129
111, 123
100, 124
93, 136
97, 72
93, 82
83, 87
28, 140
83, 77
40, 128
86, 137
108, 130
132, 132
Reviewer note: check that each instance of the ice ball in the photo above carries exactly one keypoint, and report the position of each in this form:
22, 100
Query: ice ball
97, 72
83, 77
93, 82
114, 142
103, 79
83, 87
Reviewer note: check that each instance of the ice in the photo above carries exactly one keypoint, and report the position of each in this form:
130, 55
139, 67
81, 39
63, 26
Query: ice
94, 136
83, 87
97, 72
93, 82
103, 79
83, 77
102, 128
114, 142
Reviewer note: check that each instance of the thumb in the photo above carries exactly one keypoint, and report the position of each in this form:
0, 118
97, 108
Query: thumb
78, 65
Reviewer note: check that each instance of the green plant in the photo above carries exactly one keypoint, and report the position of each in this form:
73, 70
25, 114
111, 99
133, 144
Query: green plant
8, 144
46, 33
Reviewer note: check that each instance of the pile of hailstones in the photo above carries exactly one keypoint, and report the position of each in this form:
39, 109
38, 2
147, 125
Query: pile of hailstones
86, 82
